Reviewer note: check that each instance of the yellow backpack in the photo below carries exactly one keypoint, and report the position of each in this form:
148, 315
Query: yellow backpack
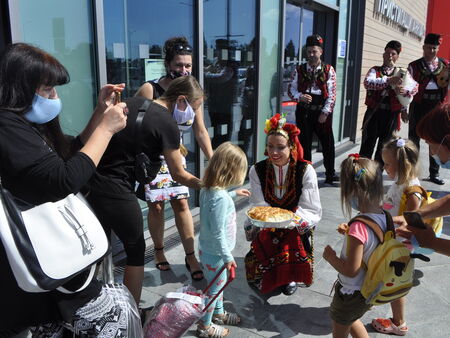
390, 268
437, 222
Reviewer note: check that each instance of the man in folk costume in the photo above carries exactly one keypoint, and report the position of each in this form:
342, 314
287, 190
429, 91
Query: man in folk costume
314, 88
431, 92
280, 258
383, 112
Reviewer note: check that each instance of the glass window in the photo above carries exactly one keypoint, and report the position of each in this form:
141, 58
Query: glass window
135, 32
64, 30
229, 74
269, 78
299, 25
341, 65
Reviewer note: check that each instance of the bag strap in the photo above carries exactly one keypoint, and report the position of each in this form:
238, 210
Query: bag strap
85, 284
138, 126
413, 189
374, 225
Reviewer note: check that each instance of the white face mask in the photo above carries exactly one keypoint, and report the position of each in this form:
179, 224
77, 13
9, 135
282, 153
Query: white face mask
186, 116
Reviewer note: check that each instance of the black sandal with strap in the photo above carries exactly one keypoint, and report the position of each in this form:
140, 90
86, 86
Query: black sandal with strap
161, 264
197, 272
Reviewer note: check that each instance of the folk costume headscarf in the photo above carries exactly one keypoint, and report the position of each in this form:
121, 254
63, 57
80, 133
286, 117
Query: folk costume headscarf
277, 125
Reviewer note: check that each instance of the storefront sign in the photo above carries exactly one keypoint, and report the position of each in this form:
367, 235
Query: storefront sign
342, 48
154, 69
391, 11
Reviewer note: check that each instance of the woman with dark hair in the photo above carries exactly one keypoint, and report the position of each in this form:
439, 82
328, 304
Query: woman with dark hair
178, 62
112, 192
281, 258
39, 164
434, 128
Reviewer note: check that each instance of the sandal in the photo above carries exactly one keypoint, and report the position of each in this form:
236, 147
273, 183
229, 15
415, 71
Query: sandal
164, 264
213, 331
194, 273
387, 326
227, 318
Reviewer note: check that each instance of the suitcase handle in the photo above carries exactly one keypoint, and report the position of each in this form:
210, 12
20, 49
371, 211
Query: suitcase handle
231, 277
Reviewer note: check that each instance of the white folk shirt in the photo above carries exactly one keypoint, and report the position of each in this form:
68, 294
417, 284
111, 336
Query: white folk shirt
309, 207
329, 103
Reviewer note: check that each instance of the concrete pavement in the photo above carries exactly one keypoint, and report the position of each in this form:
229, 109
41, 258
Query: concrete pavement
305, 314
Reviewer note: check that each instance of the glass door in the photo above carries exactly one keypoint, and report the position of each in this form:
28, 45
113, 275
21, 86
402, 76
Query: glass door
229, 72
299, 24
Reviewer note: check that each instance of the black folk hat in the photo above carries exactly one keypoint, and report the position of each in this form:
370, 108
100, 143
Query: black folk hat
314, 40
395, 45
433, 39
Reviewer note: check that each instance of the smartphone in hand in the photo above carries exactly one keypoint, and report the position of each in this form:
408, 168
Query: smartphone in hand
414, 219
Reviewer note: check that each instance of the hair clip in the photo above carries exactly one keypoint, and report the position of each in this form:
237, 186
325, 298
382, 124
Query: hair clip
359, 174
355, 156
400, 143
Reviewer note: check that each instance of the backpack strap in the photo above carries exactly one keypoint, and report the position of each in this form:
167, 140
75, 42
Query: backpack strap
413, 189
138, 126
374, 225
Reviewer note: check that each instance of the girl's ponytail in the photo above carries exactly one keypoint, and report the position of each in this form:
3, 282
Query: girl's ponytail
361, 178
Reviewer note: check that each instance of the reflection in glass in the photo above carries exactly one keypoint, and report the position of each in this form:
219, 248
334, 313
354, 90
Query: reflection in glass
65, 31
299, 25
229, 74
135, 32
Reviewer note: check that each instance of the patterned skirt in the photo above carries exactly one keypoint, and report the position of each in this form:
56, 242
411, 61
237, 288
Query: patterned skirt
164, 188
278, 257
112, 314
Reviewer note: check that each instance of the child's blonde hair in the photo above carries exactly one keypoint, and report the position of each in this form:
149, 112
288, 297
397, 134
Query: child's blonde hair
361, 178
226, 168
406, 154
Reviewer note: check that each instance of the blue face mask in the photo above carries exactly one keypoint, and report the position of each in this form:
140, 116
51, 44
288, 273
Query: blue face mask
445, 165
354, 203
43, 110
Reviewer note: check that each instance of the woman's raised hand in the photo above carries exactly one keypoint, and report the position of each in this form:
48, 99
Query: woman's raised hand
115, 117
107, 95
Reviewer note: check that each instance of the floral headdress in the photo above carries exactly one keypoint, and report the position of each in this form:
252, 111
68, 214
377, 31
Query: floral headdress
277, 124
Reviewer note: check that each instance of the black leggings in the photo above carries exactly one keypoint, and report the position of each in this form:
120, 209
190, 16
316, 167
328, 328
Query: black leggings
124, 216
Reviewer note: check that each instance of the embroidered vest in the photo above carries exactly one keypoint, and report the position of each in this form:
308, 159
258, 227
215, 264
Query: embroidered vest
266, 174
373, 97
306, 79
422, 75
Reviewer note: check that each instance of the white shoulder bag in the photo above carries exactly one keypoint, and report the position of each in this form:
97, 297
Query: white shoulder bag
49, 244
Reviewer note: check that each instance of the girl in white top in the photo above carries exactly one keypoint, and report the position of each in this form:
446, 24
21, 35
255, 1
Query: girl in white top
401, 159
361, 189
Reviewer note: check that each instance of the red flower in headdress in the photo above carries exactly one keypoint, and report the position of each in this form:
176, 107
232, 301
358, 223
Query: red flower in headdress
320, 41
440, 40
355, 156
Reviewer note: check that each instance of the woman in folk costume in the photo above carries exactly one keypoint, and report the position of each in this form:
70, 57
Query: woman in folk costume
282, 258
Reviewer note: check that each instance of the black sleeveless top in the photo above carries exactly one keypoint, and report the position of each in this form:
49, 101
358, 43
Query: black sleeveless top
158, 91
294, 184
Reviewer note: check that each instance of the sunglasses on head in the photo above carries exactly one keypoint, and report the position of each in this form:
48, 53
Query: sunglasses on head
179, 48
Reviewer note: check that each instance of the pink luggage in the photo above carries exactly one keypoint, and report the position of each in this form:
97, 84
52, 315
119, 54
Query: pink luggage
175, 313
